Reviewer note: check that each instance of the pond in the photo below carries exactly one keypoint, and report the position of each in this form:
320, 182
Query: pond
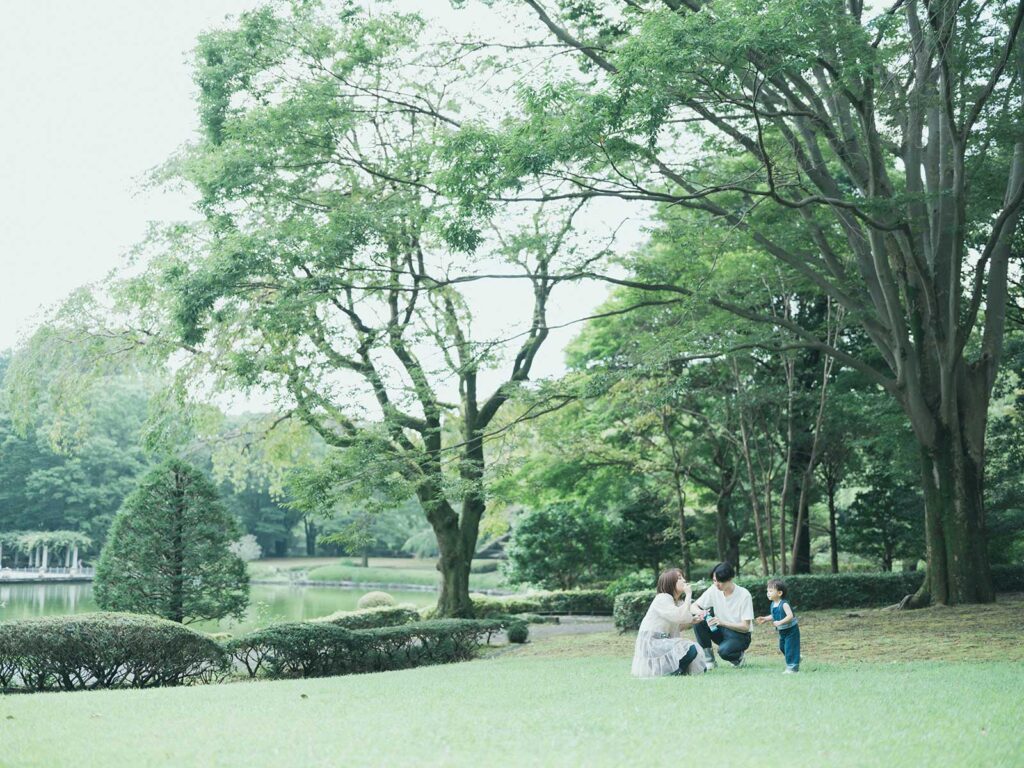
268, 603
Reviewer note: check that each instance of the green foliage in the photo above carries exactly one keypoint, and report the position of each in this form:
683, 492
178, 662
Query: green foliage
70, 466
646, 534
104, 650
169, 551
375, 600
580, 602
307, 649
518, 632
371, 618
631, 582
884, 522
561, 546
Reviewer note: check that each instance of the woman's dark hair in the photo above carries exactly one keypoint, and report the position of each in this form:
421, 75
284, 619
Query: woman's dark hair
667, 581
723, 572
777, 584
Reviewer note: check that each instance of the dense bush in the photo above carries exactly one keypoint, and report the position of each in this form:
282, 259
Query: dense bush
169, 551
375, 600
1008, 578
560, 546
820, 591
370, 618
104, 650
518, 632
319, 649
631, 582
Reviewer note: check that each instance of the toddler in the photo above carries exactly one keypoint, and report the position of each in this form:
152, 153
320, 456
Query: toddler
785, 621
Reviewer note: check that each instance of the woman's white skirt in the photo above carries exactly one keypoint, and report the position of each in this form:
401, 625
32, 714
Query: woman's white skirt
658, 654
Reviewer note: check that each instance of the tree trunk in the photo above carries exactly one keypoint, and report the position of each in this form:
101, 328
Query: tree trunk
727, 539
958, 565
802, 531
677, 479
310, 530
833, 538
176, 603
453, 564
456, 538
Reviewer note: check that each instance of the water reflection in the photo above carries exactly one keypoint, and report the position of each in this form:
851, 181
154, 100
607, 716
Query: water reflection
268, 603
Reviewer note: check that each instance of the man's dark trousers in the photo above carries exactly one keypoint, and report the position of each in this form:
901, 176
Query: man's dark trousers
731, 644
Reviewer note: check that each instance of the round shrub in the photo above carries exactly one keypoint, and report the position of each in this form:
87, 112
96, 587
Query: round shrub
105, 650
518, 632
375, 600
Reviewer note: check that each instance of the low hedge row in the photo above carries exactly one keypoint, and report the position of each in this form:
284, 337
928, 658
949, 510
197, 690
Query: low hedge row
105, 650
312, 649
121, 650
371, 618
819, 591
579, 602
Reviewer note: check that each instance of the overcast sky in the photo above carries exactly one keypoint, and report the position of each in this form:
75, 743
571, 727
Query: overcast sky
95, 94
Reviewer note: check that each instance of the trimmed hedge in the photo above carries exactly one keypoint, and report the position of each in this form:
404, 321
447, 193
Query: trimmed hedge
371, 618
581, 602
309, 649
821, 591
586, 602
105, 650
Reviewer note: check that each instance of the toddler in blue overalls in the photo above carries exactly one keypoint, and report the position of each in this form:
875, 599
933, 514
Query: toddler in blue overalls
785, 621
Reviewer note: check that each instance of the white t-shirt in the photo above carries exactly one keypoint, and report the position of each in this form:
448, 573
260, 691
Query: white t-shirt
737, 608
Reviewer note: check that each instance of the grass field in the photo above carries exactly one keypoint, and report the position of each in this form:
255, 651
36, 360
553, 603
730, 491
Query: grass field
415, 571
944, 687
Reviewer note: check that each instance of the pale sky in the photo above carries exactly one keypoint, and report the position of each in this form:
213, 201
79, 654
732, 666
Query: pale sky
94, 95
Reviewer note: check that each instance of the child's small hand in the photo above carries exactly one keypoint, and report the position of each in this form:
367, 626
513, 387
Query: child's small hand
762, 619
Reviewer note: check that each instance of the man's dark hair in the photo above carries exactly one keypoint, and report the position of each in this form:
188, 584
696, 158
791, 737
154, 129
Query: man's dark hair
723, 572
779, 585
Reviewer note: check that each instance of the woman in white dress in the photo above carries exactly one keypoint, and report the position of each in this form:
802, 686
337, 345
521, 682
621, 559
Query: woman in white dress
659, 648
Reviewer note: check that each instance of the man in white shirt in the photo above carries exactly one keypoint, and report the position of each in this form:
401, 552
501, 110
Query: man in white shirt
724, 614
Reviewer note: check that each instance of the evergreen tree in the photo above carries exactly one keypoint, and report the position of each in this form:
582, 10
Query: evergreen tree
168, 551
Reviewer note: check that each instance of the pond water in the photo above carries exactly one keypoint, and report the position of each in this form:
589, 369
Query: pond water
268, 603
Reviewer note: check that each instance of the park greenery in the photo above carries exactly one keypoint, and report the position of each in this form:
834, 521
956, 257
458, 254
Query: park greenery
810, 361
169, 551
861, 677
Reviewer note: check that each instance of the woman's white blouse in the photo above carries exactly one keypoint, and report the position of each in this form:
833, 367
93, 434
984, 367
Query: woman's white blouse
665, 616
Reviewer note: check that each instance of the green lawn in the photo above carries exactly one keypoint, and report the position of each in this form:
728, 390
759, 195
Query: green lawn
922, 695
380, 571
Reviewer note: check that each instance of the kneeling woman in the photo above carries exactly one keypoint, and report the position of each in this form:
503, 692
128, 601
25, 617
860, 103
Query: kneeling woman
659, 648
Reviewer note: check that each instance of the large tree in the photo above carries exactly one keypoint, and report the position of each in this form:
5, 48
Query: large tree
327, 269
890, 142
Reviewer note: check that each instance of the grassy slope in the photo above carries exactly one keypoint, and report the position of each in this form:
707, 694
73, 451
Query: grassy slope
381, 571
569, 701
